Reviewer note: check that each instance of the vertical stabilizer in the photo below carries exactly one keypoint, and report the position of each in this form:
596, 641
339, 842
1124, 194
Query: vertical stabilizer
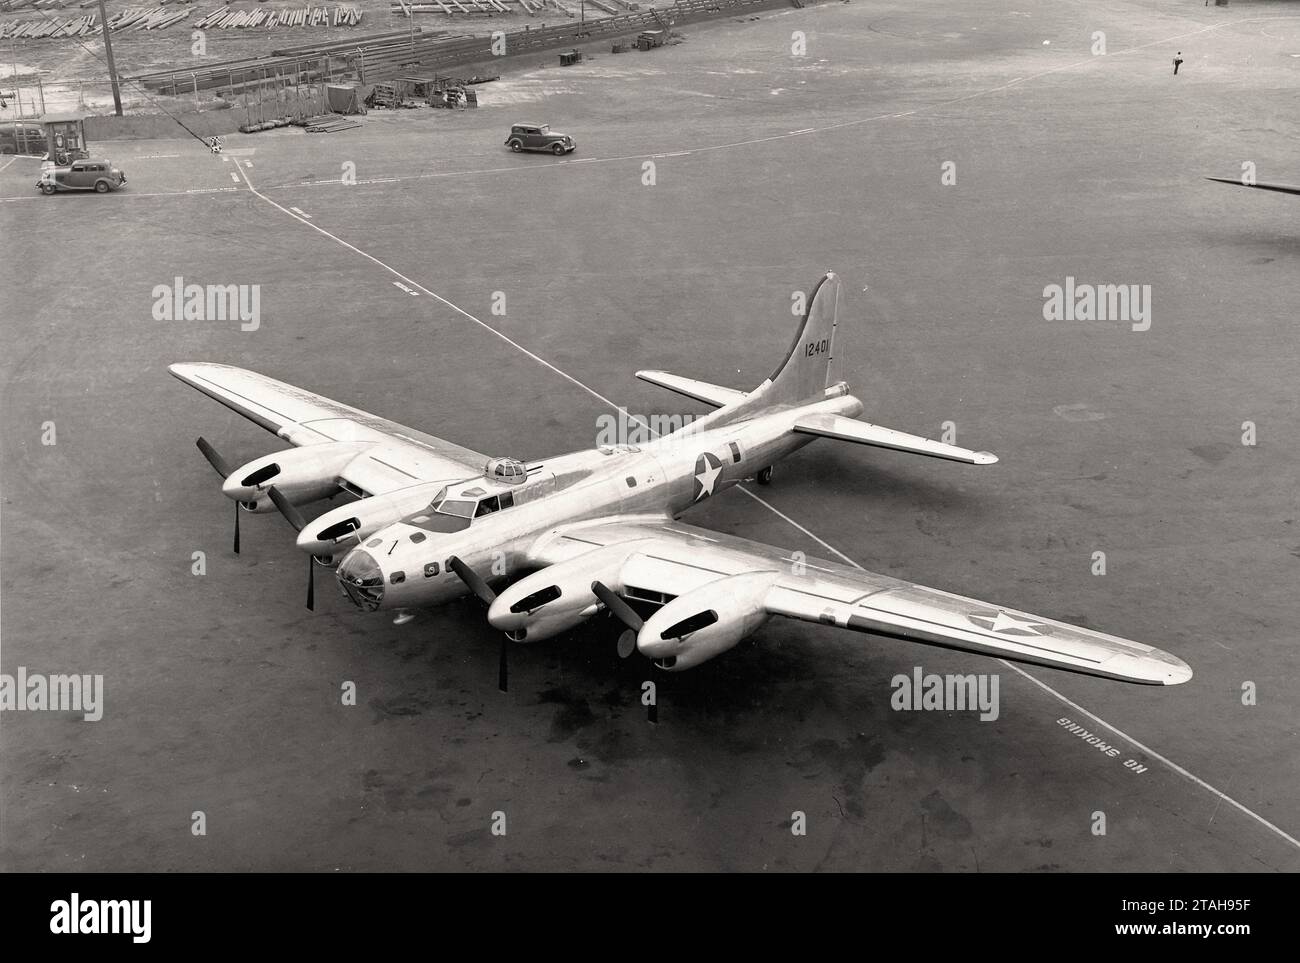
809, 367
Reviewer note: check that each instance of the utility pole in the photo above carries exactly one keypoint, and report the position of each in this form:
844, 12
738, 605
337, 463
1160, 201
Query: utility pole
108, 54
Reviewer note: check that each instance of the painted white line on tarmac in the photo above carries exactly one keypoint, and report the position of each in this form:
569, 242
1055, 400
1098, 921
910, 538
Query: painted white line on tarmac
8, 162
1155, 755
300, 212
132, 195
820, 541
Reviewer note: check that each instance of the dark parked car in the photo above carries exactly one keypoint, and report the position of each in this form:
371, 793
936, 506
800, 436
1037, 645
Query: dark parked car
89, 174
539, 137
18, 138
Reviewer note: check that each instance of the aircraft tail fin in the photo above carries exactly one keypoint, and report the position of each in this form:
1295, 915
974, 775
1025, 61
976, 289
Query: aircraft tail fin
809, 367
812, 364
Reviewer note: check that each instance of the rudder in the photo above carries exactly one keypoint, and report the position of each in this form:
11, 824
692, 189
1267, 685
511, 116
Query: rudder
809, 367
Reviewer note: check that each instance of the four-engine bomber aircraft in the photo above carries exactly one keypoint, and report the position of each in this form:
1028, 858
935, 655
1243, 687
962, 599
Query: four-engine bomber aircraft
567, 537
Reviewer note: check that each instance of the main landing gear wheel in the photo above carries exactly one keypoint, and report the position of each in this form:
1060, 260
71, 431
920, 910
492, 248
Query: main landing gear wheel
765, 476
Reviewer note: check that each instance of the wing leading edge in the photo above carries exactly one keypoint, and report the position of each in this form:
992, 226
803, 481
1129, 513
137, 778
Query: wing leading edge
396, 456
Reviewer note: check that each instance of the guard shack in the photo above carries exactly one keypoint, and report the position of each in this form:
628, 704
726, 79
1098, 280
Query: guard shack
65, 138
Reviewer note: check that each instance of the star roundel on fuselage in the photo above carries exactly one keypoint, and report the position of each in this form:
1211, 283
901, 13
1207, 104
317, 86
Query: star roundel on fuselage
708, 468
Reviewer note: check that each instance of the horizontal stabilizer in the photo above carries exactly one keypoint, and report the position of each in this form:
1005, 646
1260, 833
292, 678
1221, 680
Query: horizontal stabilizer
714, 395
862, 433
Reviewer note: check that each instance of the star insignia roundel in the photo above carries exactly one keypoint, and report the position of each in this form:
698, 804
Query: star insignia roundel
707, 469
1005, 624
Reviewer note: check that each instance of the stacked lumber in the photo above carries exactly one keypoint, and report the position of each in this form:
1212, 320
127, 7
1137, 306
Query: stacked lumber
128, 16
48, 29
160, 19
224, 18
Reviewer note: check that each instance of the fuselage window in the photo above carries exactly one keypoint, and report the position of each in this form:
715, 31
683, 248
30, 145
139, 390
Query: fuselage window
735, 451
431, 570
397, 578
631, 482
507, 499
487, 506
418, 537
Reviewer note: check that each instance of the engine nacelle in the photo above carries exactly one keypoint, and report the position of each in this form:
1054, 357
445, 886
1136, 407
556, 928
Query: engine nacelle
339, 530
699, 625
302, 475
559, 597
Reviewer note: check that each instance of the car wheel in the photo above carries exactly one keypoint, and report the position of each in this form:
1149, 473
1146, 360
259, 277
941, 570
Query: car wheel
516, 146
101, 187
558, 149
47, 188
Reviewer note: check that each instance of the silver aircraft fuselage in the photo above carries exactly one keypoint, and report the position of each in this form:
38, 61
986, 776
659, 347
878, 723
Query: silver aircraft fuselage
403, 566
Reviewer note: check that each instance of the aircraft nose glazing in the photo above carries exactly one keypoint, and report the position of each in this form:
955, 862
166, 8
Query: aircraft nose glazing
362, 579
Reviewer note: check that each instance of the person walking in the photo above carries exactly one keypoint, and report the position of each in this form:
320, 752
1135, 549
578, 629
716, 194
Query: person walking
1178, 62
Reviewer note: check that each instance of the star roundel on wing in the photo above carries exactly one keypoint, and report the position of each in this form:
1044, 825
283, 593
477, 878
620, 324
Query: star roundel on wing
708, 467
1004, 624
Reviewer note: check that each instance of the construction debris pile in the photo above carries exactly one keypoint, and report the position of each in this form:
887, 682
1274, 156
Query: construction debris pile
405, 93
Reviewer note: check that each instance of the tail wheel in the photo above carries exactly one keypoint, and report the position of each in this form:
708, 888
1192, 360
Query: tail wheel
765, 476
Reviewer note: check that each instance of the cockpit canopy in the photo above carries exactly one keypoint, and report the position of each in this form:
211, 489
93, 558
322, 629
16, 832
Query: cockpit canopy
455, 511
508, 471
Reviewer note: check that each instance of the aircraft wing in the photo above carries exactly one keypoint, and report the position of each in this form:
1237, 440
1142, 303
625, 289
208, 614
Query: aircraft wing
676, 560
1279, 188
399, 457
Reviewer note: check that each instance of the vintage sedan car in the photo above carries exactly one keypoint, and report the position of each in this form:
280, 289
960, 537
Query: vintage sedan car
87, 174
539, 137
20, 138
